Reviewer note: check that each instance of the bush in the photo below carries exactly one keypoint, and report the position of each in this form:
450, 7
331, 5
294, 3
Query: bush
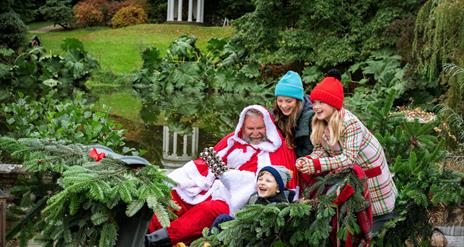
87, 14
12, 30
114, 7
67, 121
59, 12
129, 16
35, 72
157, 11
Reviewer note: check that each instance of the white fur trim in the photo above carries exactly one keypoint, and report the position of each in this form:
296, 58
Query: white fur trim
237, 157
190, 183
240, 185
274, 141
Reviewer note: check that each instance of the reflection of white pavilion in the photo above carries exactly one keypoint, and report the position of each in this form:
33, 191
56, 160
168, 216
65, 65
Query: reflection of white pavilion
195, 10
177, 149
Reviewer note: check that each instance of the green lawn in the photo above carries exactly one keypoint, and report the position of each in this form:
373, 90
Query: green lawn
119, 49
122, 103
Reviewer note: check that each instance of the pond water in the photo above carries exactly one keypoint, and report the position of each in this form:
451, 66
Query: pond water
195, 122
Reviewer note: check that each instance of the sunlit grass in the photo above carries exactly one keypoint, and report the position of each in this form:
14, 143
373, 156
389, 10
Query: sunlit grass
118, 50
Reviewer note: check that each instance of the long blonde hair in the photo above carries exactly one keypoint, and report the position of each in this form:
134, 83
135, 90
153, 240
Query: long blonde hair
287, 124
335, 126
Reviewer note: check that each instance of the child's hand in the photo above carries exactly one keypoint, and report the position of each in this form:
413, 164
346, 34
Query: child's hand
305, 165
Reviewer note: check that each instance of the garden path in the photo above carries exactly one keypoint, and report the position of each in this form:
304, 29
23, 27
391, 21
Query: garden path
47, 29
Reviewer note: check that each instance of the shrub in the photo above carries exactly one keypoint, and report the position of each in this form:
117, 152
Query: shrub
129, 16
157, 11
35, 72
87, 14
59, 12
67, 121
12, 30
114, 7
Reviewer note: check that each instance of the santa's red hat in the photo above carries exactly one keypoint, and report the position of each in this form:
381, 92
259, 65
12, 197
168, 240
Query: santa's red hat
329, 91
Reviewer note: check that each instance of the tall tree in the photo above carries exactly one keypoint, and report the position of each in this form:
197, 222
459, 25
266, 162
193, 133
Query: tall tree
321, 32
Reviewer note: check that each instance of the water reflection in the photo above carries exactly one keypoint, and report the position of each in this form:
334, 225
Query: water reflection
178, 149
208, 116
205, 118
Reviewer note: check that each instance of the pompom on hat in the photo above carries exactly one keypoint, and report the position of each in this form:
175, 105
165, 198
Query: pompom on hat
329, 90
281, 174
290, 85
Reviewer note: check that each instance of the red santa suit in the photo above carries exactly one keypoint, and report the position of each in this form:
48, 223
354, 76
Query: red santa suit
203, 197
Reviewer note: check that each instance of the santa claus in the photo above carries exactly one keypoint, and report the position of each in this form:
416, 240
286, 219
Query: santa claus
203, 194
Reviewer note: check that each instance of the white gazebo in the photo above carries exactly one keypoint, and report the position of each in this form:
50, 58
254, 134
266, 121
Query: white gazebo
195, 10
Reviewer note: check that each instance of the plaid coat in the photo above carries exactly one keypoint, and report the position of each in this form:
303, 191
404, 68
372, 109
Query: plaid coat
358, 146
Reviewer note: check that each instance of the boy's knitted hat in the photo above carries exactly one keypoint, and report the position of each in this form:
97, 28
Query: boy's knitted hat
280, 173
290, 85
329, 91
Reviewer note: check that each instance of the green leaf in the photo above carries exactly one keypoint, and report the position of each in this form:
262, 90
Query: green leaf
108, 235
99, 217
125, 193
134, 207
96, 192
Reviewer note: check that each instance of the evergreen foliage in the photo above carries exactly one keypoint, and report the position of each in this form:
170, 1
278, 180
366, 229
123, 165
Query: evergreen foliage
413, 152
439, 36
81, 199
438, 47
306, 223
452, 110
324, 33
59, 12
12, 30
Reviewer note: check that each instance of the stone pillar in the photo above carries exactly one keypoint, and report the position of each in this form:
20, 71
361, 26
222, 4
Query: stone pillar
179, 11
190, 13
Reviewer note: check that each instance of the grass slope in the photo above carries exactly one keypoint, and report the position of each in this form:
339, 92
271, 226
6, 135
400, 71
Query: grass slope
118, 50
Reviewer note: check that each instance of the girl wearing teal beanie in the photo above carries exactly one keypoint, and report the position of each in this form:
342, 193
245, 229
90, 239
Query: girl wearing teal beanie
293, 113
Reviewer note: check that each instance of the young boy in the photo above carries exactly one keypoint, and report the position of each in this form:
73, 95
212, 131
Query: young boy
270, 188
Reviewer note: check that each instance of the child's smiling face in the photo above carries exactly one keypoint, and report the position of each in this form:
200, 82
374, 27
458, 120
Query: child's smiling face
266, 185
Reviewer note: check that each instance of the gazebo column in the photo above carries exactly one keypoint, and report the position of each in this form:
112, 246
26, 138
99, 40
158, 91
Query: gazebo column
179, 11
190, 13
200, 6
170, 14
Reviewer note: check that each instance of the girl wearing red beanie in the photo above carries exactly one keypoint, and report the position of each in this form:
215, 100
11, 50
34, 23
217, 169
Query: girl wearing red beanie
341, 140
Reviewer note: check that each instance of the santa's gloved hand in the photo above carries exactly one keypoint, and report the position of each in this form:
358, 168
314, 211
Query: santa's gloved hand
305, 165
